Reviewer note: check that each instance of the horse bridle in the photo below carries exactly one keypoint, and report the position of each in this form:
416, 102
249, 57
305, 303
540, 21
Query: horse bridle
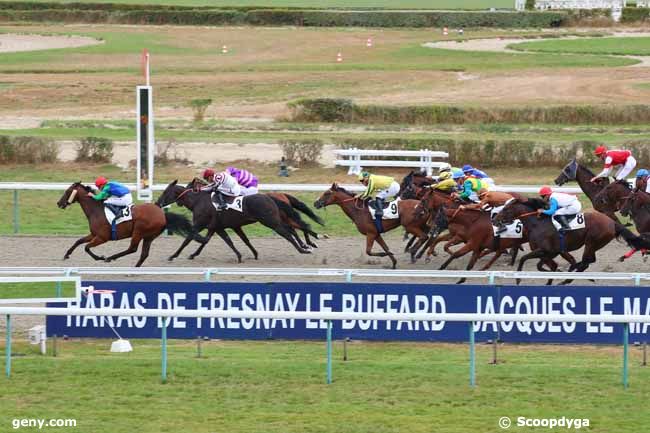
573, 164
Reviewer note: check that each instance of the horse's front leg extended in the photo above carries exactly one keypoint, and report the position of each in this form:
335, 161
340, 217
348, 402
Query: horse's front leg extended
78, 242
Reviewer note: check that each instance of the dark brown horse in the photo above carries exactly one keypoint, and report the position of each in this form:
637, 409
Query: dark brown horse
637, 207
581, 174
613, 194
545, 241
148, 222
411, 218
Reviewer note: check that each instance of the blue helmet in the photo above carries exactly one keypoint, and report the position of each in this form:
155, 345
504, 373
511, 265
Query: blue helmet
457, 175
467, 168
642, 173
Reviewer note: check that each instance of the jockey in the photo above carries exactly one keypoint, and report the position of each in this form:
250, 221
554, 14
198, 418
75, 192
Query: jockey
563, 207
445, 183
470, 171
222, 184
622, 159
380, 188
245, 179
471, 187
446, 167
642, 178
115, 195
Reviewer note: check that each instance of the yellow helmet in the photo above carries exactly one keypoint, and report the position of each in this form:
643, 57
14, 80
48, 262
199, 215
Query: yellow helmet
445, 175
363, 175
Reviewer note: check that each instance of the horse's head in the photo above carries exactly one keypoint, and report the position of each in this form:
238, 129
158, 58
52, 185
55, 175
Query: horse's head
169, 195
569, 172
613, 194
627, 205
335, 194
407, 189
513, 209
71, 194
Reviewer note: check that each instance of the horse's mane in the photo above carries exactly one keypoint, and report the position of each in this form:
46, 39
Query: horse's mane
518, 197
85, 187
586, 169
338, 188
534, 203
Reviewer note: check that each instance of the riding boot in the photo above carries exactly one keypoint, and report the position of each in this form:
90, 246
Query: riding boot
117, 210
379, 208
219, 200
564, 222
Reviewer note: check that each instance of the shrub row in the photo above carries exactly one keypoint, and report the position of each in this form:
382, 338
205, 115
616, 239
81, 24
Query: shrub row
634, 15
503, 153
275, 17
344, 110
27, 150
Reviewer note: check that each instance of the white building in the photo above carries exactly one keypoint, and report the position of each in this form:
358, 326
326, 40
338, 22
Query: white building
615, 5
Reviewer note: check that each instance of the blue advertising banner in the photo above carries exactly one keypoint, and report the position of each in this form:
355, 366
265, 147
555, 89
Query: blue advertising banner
357, 297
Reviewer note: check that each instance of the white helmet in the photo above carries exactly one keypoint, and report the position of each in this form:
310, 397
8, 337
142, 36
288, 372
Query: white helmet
445, 166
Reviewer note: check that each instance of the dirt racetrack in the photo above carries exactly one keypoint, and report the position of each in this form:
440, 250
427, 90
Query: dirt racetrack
340, 252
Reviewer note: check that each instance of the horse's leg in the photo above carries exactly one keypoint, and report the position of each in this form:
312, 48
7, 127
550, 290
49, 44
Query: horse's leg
588, 257
461, 252
286, 232
513, 254
93, 243
472, 261
244, 239
493, 259
146, 245
133, 247
186, 241
223, 235
78, 242
407, 248
383, 244
422, 238
552, 266
203, 244
308, 240
531, 255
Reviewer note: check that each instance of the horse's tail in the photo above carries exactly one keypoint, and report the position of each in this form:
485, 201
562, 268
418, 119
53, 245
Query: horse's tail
294, 216
636, 242
177, 223
302, 207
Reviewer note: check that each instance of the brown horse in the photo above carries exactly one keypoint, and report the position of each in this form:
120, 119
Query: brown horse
411, 218
546, 243
613, 194
148, 222
637, 207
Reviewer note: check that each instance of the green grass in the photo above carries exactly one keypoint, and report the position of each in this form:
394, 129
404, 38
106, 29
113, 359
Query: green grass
639, 46
280, 387
380, 4
36, 290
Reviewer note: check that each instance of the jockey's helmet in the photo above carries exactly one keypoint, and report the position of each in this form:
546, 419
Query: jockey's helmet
363, 175
100, 181
458, 175
219, 178
545, 190
600, 150
208, 173
467, 168
445, 175
643, 173
445, 166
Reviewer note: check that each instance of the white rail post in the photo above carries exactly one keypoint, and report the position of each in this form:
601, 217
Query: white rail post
16, 213
163, 338
472, 360
625, 350
329, 352
8, 348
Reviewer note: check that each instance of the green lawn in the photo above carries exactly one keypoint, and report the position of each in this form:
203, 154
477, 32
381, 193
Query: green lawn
280, 386
380, 4
639, 46
36, 290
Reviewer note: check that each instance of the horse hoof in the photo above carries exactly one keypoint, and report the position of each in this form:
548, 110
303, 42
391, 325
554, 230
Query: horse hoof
171, 259
621, 259
191, 257
66, 257
427, 259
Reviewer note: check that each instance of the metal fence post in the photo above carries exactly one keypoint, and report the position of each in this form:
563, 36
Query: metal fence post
16, 213
329, 352
8, 348
472, 360
163, 338
625, 360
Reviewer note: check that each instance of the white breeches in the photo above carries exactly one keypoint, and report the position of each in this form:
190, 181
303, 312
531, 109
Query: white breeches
232, 192
573, 209
626, 169
248, 191
125, 200
391, 191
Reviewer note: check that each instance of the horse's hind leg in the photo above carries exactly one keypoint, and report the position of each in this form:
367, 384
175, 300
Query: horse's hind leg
78, 242
244, 239
93, 243
133, 247
186, 241
309, 241
146, 245
386, 252
203, 244
223, 235
285, 231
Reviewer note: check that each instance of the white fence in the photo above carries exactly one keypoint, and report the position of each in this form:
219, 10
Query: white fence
424, 161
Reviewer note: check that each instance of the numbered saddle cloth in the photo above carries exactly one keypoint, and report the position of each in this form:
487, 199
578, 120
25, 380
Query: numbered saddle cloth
577, 223
391, 210
126, 215
236, 203
514, 230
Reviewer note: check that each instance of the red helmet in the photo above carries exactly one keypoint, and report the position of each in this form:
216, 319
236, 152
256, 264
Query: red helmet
100, 181
600, 150
545, 190
208, 173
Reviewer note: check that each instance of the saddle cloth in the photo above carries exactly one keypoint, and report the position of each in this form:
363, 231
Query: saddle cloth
127, 215
576, 223
237, 203
391, 210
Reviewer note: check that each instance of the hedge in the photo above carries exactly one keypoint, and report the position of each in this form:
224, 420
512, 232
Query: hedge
634, 15
344, 110
503, 153
127, 14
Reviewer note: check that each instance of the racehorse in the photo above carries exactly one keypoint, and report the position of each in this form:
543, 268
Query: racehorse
411, 217
581, 174
613, 194
148, 222
546, 243
205, 216
287, 204
412, 186
637, 207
